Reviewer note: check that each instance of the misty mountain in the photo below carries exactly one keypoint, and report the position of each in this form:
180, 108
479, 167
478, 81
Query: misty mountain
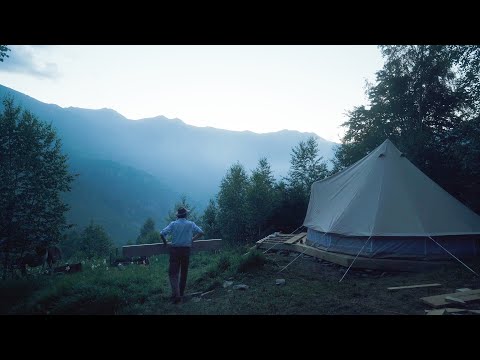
184, 159
118, 197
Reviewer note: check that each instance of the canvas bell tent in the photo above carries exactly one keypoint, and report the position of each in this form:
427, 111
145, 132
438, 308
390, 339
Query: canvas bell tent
384, 207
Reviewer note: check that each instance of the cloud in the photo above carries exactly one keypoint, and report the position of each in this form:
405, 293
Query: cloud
29, 59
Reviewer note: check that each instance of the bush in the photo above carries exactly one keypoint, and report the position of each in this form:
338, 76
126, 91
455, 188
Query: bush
253, 261
224, 263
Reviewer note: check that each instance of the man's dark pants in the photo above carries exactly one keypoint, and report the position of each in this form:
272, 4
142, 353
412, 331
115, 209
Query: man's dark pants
178, 270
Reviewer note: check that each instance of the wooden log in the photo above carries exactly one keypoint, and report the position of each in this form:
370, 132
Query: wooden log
413, 286
160, 248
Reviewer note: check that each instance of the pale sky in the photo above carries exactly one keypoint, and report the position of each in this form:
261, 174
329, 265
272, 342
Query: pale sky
261, 88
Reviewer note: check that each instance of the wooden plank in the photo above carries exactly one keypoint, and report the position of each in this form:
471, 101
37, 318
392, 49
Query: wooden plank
278, 237
309, 251
160, 248
449, 310
208, 292
413, 286
296, 238
439, 300
269, 239
455, 300
436, 312
360, 262
462, 290
454, 310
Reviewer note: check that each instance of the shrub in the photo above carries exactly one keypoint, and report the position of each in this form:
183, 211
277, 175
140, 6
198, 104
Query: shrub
253, 261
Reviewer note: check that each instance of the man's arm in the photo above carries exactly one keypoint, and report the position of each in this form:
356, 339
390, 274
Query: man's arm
198, 232
197, 236
164, 240
166, 231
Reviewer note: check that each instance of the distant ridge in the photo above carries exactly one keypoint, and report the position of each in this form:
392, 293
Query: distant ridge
184, 159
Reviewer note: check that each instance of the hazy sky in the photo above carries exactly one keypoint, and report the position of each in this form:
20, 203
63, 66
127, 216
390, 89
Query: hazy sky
260, 88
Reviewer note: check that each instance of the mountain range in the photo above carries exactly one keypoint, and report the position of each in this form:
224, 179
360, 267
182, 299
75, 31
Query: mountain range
134, 169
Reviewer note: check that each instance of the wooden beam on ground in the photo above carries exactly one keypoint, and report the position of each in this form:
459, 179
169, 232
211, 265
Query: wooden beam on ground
454, 310
448, 310
206, 293
462, 290
160, 248
455, 300
270, 239
360, 262
436, 312
413, 286
439, 300
296, 238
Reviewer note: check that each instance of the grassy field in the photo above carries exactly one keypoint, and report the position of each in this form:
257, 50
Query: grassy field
311, 287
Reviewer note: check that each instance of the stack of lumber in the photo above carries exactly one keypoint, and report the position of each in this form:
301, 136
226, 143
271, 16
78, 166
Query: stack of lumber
278, 238
460, 299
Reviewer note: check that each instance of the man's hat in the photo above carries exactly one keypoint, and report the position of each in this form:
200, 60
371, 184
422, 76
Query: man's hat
182, 211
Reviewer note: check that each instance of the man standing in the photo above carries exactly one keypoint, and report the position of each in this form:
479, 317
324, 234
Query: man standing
182, 231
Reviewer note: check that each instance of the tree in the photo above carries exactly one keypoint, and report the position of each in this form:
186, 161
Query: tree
95, 242
426, 100
260, 196
148, 227
210, 221
148, 234
3, 52
232, 204
306, 167
414, 103
33, 175
192, 212
70, 244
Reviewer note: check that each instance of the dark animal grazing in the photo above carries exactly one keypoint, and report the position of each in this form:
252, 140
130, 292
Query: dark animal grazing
42, 256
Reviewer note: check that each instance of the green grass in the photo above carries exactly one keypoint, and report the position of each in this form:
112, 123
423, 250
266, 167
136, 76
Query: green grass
311, 287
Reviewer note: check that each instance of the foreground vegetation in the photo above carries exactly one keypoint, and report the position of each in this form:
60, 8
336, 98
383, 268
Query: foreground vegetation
311, 287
